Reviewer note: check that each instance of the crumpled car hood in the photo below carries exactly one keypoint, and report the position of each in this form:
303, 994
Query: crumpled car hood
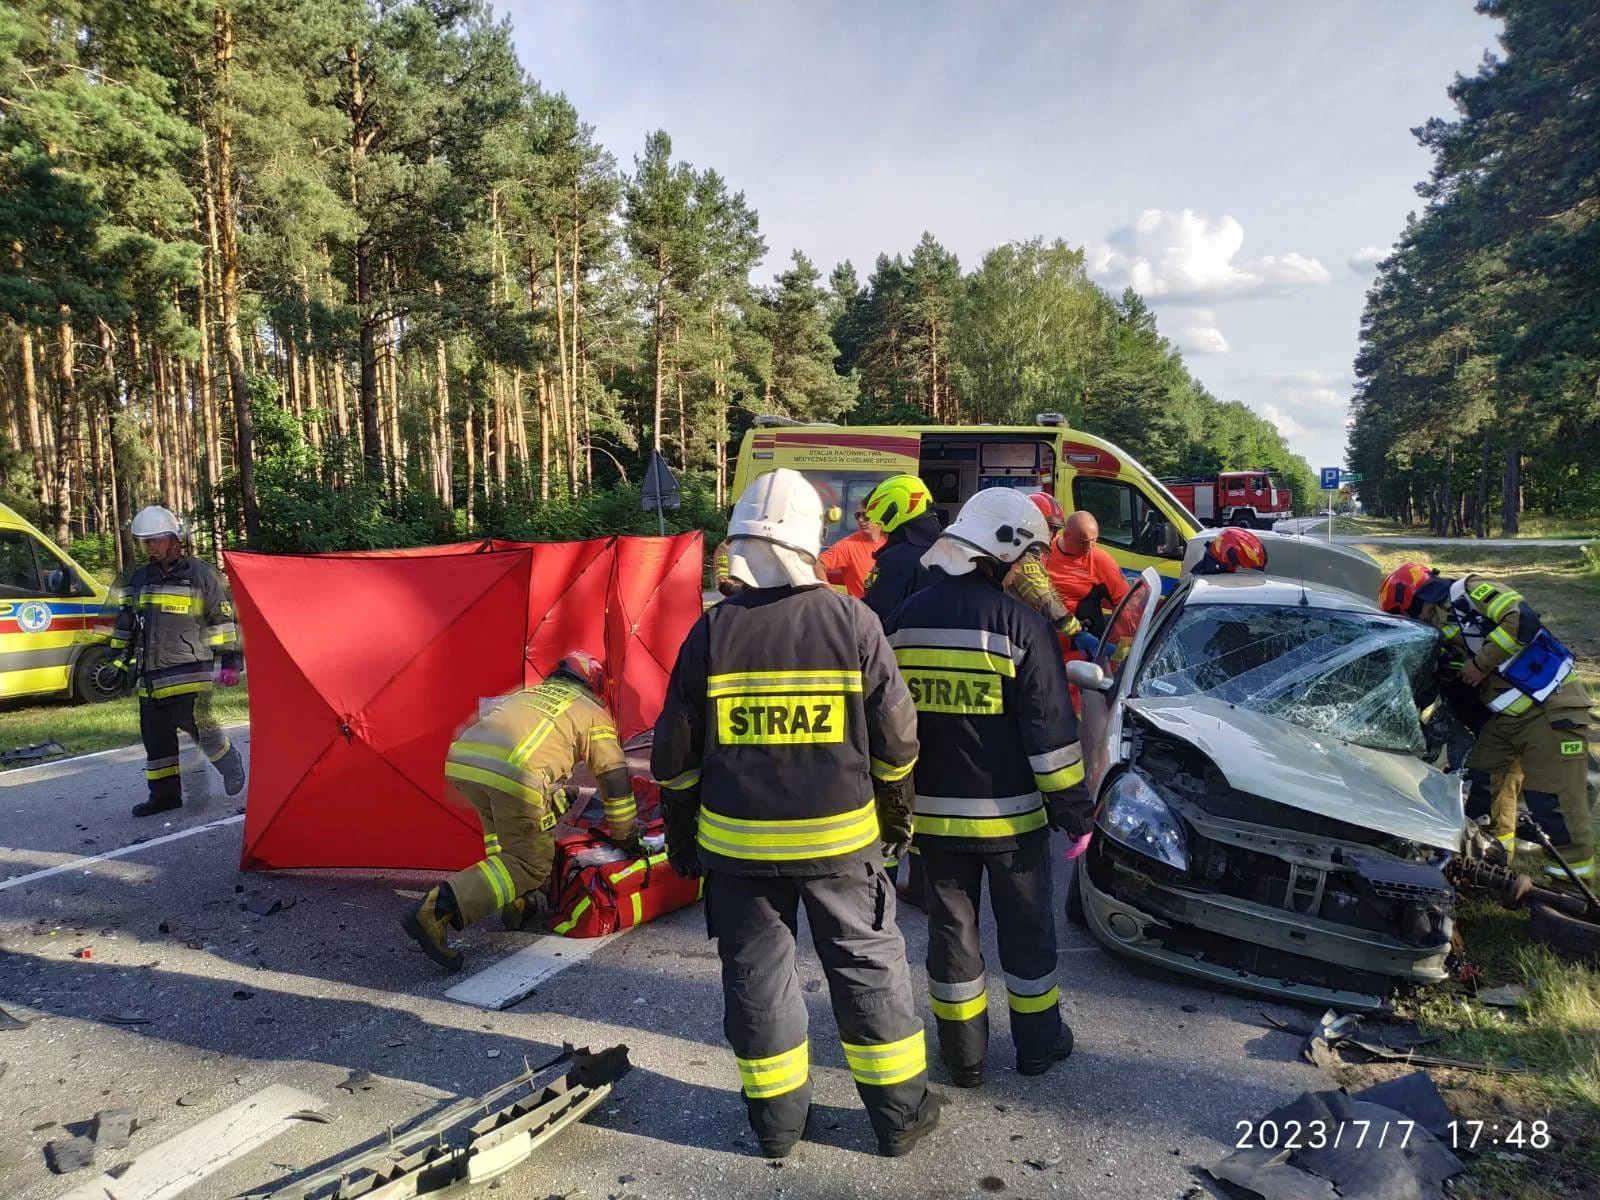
1391, 793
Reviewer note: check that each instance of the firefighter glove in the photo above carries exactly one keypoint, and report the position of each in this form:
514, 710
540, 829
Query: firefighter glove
631, 843
1078, 847
1087, 643
1070, 811
894, 815
679, 815
228, 677
536, 903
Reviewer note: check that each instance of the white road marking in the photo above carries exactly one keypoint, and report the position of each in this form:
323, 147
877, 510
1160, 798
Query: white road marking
509, 980
78, 863
180, 1162
20, 774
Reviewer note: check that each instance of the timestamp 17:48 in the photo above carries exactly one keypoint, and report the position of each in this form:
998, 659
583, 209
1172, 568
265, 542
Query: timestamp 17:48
1530, 1135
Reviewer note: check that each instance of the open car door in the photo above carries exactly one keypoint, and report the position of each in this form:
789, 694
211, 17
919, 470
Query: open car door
1100, 726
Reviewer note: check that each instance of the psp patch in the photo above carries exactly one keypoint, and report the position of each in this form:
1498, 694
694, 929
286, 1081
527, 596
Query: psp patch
34, 618
1569, 749
780, 720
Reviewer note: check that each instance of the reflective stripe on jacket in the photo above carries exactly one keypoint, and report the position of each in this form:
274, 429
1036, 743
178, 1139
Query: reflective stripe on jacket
994, 716
784, 705
1493, 625
188, 624
533, 741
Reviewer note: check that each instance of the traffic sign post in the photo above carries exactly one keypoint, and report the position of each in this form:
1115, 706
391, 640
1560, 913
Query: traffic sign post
660, 490
1330, 485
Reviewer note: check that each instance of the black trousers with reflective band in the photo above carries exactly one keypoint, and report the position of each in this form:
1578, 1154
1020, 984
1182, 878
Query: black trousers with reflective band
852, 920
159, 724
1019, 893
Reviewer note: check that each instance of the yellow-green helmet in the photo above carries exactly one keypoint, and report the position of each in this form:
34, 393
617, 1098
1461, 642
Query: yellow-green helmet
897, 500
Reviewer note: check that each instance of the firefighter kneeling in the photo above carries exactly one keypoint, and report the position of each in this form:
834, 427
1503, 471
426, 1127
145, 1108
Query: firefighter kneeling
1000, 762
784, 750
510, 767
1536, 712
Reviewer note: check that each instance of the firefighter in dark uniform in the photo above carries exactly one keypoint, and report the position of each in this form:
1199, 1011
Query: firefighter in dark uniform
1000, 766
900, 506
784, 751
176, 630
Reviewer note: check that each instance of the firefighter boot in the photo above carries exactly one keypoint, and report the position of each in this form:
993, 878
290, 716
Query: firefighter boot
429, 924
1038, 1066
231, 765
902, 1144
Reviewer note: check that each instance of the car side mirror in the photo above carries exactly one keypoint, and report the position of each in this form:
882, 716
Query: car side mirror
1172, 543
1087, 675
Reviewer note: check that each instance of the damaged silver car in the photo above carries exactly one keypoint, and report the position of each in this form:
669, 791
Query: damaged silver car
1269, 812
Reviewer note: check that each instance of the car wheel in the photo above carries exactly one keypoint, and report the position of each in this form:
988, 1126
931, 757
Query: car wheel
96, 678
1241, 521
1075, 913
1563, 933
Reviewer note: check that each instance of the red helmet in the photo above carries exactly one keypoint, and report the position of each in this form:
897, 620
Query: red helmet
1238, 549
1047, 504
588, 669
1398, 593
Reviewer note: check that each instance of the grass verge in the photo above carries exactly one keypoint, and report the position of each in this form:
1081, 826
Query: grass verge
1529, 526
1555, 1034
85, 728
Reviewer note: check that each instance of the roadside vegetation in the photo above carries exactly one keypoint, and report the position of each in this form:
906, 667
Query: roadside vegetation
85, 728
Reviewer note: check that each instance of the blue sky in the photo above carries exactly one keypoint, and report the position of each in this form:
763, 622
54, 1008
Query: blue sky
1242, 162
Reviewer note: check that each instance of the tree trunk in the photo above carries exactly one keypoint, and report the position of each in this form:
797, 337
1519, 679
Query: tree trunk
442, 400
1511, 498
360, 137
244, 429
66, 429
683, 411
660, 323
519, 426
33, 420
544, 432
472, 466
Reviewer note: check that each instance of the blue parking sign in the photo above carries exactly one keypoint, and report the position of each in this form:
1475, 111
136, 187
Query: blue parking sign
1330, 479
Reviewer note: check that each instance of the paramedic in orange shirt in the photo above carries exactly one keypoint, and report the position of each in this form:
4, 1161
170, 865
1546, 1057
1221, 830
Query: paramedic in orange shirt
853, 556
1086, 578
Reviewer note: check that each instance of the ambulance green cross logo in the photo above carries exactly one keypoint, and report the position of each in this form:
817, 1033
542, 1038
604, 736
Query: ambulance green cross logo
33, 618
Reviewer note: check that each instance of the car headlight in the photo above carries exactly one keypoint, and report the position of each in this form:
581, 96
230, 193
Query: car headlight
1135, 815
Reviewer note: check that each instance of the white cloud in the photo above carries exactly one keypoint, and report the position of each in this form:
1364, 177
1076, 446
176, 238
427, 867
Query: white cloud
1205, 339
1365, 260
1185, 256
1312, 418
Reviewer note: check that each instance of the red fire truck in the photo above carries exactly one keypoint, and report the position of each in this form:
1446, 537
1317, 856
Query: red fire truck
1251, 499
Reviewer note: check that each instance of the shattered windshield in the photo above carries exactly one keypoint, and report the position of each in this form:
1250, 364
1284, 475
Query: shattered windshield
1353, 676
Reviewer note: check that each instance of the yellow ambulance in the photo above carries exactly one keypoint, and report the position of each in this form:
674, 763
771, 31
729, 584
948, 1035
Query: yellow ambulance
48, 608
1141, 523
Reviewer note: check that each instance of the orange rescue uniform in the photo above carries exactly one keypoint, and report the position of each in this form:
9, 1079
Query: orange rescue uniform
1076, 575
853, 557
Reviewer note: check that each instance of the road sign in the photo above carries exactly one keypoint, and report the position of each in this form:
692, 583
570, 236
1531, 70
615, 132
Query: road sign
660, 490
1350, 477
1330, 479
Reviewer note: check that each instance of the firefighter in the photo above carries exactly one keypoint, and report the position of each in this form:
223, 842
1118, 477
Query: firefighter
1000, 766
901, 507
1028, 581
176, 631
511, 767
852, 556
784, 749
1232, 549
1496, 644
1086, 578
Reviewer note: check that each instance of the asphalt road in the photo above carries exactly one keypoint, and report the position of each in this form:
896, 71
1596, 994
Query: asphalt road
1318, 527
233, 1003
